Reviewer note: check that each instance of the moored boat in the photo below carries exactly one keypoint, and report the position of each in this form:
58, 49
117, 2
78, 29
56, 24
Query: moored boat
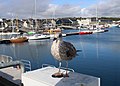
18, 39
53, 35
98, 31
38, 37
85, 32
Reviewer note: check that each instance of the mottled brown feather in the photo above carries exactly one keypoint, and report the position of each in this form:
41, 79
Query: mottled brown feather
68, 50
62, 50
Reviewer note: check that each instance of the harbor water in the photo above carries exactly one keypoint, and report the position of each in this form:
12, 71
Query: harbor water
99, 56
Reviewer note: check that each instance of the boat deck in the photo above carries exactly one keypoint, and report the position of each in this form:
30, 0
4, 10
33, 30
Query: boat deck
43, 77
11, 74
5, 82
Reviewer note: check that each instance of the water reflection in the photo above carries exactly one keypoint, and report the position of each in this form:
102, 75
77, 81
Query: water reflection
100, 54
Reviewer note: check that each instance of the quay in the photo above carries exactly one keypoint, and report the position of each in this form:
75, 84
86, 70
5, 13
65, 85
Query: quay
13, 73
10, 76
42, 77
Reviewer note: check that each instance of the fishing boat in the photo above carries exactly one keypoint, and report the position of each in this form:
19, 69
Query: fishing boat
18, 39
14, 40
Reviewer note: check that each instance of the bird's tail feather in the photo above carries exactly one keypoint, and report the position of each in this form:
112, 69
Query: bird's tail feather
78, 50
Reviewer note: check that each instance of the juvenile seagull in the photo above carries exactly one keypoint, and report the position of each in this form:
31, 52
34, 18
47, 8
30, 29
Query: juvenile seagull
62, 50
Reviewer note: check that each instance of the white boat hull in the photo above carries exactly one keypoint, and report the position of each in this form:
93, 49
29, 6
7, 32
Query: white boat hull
38, 37
98, 31
53, 35
9, 33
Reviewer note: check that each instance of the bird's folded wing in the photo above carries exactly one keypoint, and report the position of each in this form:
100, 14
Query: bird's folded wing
68, 49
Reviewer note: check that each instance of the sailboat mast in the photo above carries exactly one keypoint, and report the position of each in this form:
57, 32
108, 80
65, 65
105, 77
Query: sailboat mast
35, 8
97, 18
96, 15
17, 23
35, 15
12, 24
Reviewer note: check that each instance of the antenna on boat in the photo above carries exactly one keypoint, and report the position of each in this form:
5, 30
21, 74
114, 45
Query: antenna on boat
35, 8
17, 23
96, 14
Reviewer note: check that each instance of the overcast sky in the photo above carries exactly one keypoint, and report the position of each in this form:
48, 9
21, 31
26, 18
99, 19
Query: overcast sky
59, 8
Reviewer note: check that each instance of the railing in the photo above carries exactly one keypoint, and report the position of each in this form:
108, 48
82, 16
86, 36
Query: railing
69, 69
12, 64
27, 65
5, 58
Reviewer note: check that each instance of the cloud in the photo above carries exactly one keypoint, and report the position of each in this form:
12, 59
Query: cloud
65, 10
22, 8
107, 8
45, 9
